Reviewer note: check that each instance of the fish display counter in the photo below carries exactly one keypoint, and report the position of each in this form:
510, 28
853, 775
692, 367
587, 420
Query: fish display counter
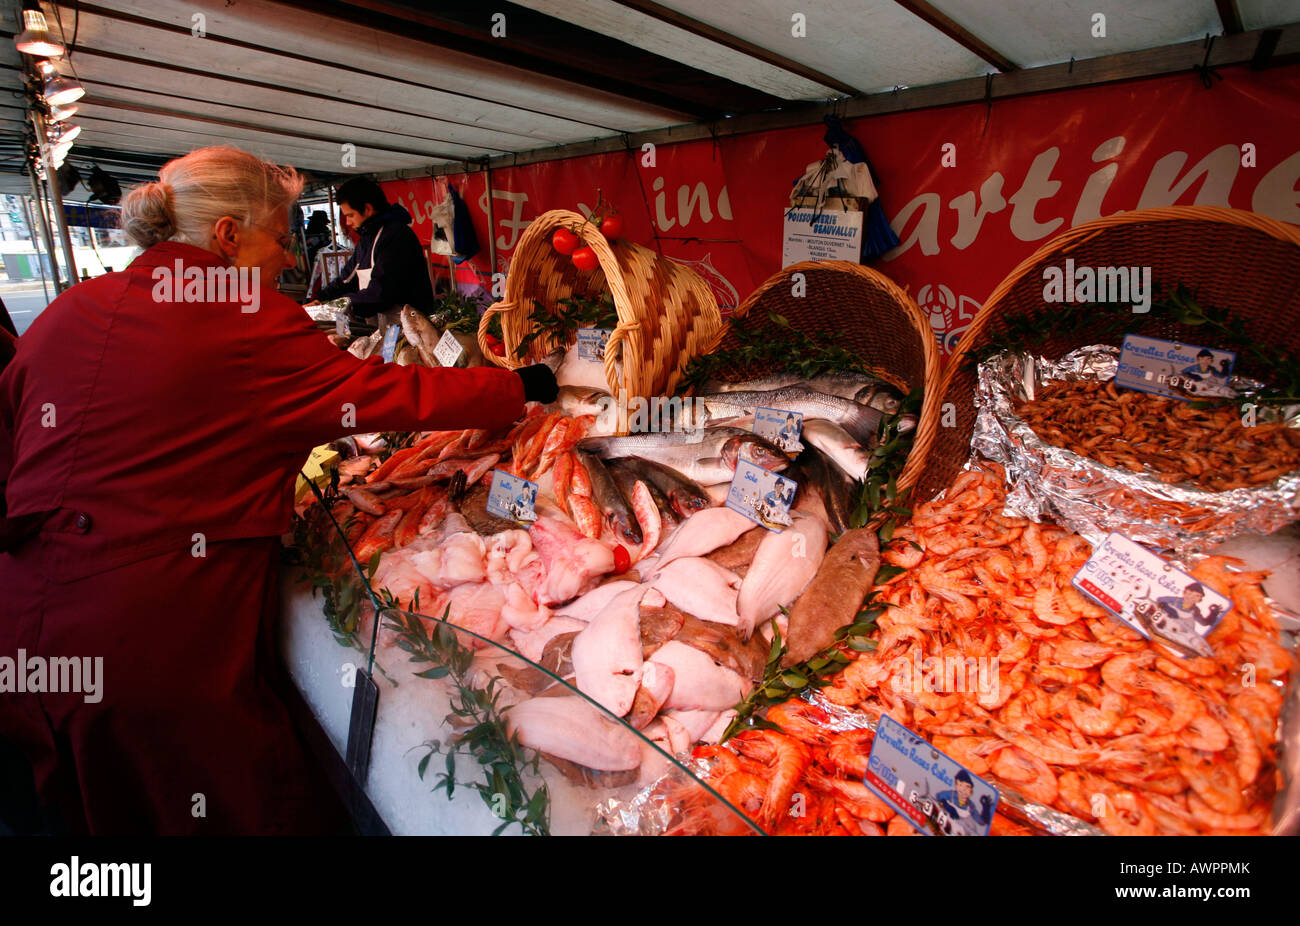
570, 656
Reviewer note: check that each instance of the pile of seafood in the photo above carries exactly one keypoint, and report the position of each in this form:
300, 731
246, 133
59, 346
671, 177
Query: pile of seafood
1076, 710
1176, 442
805, 779
634, 584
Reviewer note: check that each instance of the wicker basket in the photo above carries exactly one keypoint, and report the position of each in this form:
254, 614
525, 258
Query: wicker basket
870, 315
666, 313
1229, 258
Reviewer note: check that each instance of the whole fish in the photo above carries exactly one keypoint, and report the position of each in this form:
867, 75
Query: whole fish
834, 595
626, 478
838, 446
605, 492
686, 496
583, 400
783, 566
861, 387
421, 335
706, 457
835, 488
861, 421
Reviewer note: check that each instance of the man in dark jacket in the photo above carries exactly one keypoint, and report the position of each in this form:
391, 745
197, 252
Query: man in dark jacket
388, 268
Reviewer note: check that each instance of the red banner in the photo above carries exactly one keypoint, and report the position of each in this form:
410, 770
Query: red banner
971, 190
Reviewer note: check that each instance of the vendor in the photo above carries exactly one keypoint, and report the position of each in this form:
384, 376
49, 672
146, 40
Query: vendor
388, 269
150, 435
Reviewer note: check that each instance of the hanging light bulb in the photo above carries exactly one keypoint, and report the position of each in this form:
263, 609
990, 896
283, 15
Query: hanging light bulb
59, 153
35, 39
60, 90
60, 113
46, 67
66, 134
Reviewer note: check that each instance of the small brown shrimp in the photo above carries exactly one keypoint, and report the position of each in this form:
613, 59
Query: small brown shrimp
1032, 539
849, 752
1050, 608
1207, 816
1126, 814
1043, 748
787, 759
1124, 672
1030, 775
860, 800
1243, 741
1254, 708
1100, 720
802, 720
1180, 699
1081, 654
1205, 733
1213, 779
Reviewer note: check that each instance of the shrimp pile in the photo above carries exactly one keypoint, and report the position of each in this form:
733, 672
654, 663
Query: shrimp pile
1210, 448
991, 654
805, 780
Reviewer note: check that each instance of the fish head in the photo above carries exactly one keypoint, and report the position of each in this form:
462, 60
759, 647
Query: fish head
625, 529
880, 397
687, 503
906, 423
554, 359
755, 450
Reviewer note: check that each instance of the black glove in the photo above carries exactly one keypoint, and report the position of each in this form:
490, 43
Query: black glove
539, 383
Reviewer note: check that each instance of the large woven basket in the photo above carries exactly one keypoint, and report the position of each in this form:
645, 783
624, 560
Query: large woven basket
1229, 258
666, 313
861, 310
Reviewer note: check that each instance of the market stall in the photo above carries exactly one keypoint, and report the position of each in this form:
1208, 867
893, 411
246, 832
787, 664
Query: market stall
953, 491
690, 595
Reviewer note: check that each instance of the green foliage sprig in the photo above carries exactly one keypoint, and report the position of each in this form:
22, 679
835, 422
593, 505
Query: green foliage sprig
780, 684
562, 321
878, 492
794, 352
455, 312
500, 756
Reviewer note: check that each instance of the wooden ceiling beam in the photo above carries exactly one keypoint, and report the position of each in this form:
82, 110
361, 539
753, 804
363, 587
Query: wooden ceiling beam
548, 45
704, 30
958, 33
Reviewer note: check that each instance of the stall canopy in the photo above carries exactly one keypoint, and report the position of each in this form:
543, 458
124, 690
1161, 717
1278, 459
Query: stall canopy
375, 86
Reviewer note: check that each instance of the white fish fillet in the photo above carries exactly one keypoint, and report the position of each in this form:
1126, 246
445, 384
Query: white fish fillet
703, 532
700, 587
783, 566
607, 654
570, 728
699, 683
589, 605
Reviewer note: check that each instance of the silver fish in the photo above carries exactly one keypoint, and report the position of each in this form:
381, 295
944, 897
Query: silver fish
582, 400
837, 444
861, 387
605, 492
861, 421
708, 456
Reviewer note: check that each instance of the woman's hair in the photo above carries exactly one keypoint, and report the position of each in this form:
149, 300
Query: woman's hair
194, 191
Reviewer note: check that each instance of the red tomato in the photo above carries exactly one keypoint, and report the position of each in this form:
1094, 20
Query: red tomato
612, 227
585, 259
564, 241
622, 559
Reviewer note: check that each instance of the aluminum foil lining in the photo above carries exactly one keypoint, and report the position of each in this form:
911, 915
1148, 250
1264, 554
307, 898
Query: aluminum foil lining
329, 311
1093, 499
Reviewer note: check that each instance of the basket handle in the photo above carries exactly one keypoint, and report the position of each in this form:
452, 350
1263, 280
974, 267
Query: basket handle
495, 309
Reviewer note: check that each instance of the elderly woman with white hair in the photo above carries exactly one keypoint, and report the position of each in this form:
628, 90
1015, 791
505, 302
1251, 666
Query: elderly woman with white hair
151, 426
